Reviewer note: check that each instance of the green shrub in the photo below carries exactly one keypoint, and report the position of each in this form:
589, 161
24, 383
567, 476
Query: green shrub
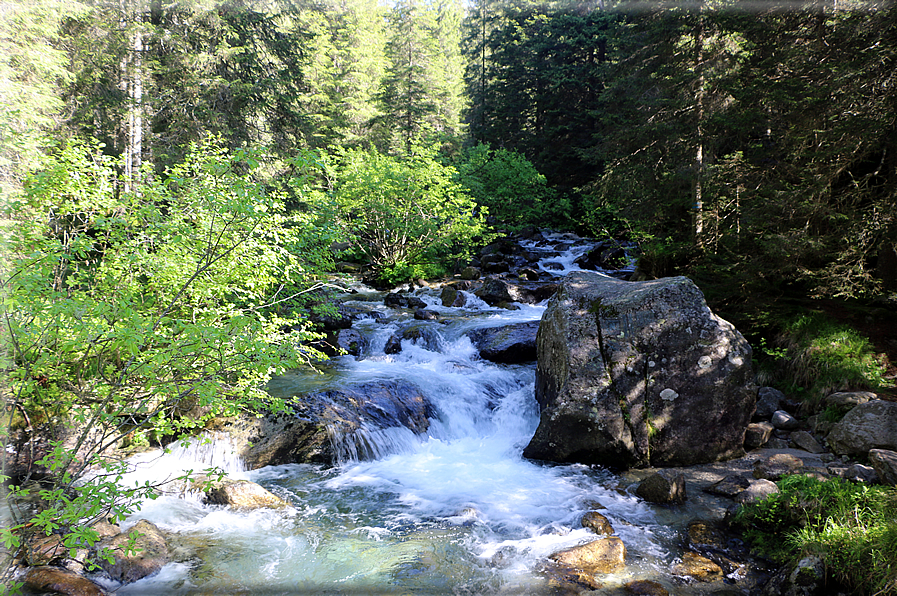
511, 188
406, 214
852, 526
127, 311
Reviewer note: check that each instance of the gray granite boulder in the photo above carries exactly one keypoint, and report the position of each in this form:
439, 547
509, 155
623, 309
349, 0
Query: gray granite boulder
872, 425
639, 374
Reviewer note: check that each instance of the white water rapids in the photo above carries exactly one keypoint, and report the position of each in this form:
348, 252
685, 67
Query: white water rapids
457, 511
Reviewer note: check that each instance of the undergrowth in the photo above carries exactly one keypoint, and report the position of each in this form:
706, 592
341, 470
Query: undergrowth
818, 356
852, 527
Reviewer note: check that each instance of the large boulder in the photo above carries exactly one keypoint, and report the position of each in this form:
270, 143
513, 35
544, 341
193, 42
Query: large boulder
60, 581
870, 425
639, 374
508, 344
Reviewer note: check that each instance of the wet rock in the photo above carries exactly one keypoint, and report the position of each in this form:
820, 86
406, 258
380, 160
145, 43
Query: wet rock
528, 274
239, 494
769, 400
495, 292
470, 273
393, 345
638, 374
608, 254
712, 542
305, 435
423, 335
150, 555
872, 425
757, 434
697, 567
757, 491
508, 344
604, 555
452, 297
806, 441
729, 486
663, 487
495, 264
569, 580
783, 420
885, 463
351, 341
403, 300
807, 578
425, 314
776, 466
645, 587
62, 581
597, 523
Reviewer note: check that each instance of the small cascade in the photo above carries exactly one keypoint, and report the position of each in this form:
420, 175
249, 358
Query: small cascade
450, 507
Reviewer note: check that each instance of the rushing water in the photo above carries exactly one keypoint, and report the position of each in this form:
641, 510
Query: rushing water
457, 511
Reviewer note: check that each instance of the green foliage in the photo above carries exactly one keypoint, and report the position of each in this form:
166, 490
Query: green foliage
511, 188
154, 310
408, 212
826, 356
852, 526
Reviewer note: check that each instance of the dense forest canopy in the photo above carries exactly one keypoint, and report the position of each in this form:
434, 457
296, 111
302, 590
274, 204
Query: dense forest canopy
753, 138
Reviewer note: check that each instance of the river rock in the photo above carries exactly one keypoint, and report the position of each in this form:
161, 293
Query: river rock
872, 425
597, 523
638, 374
757, 491
604, 555
240, 494
508, 344
769, 400
861, 473
664, 487
729, 486
452, 297
62, 581
782, 420
150, 555
306, 434
426, 314
847, 400
697, 567
470, 273
351, 341
776, 466
645, 587
806, 441
885, 463
496, 292
757, 434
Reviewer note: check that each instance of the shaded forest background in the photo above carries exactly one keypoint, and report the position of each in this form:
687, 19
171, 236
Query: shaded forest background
750, 145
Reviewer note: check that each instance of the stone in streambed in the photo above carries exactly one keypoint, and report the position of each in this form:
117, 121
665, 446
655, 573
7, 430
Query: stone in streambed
697, 567
239, 494
645, 587
663, 487
597, 523
507, 344
62, 581
604, 555
150, 555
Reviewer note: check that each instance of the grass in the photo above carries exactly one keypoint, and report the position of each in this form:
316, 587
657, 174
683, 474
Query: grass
816, 355
852, 527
